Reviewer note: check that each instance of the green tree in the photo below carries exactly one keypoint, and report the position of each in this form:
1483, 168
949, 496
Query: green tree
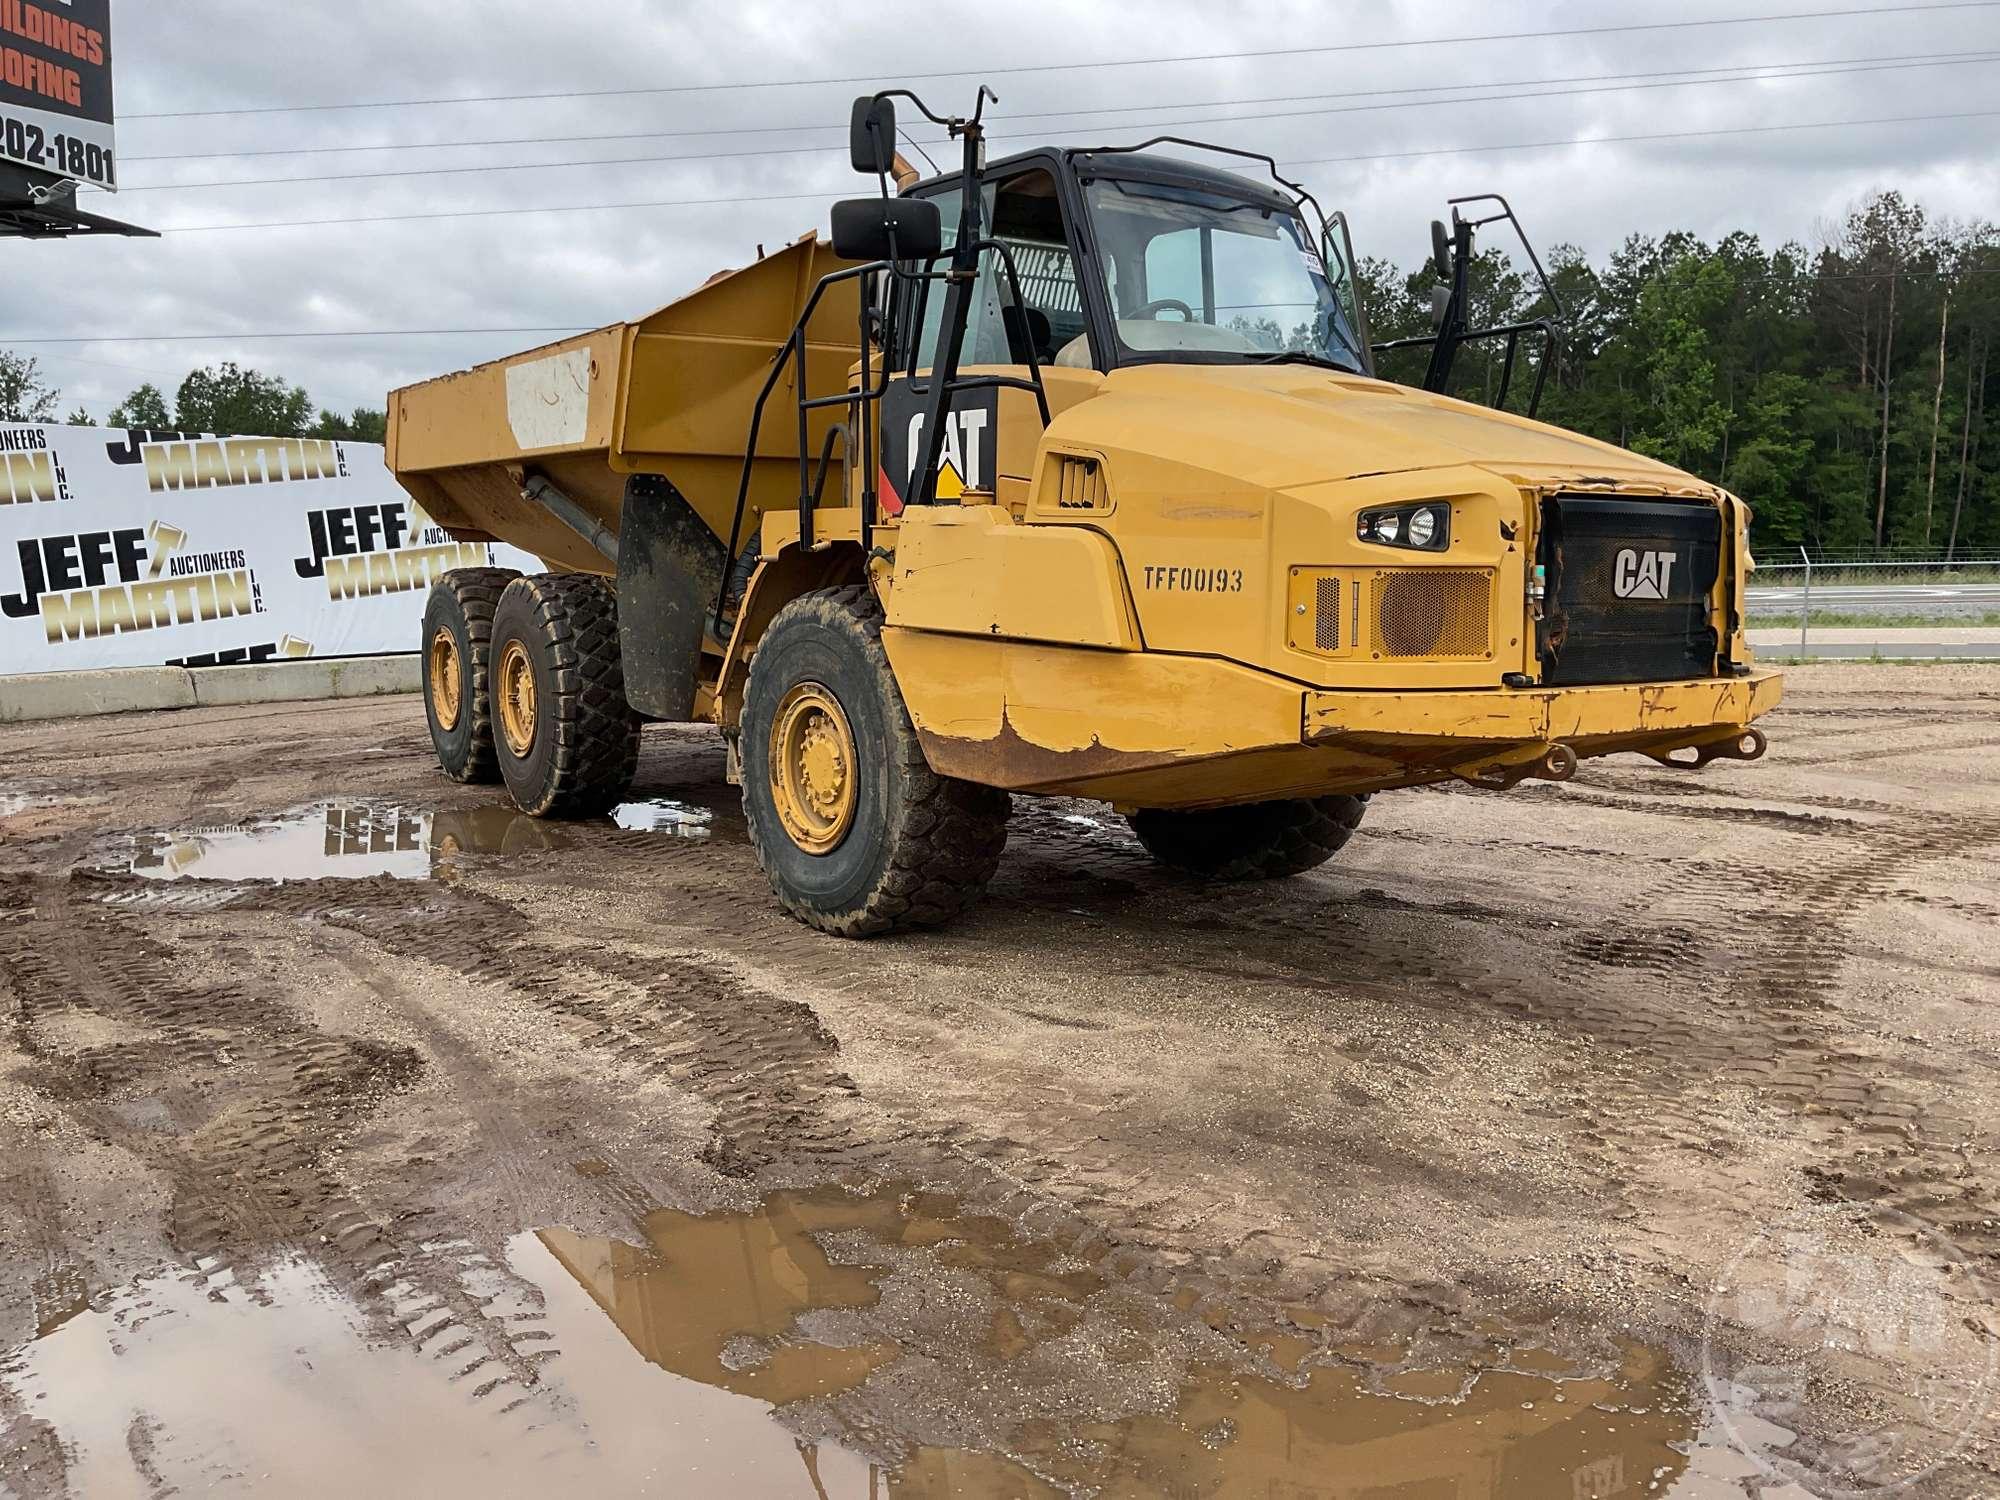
233, 402
25, 394
362, 425
145, 407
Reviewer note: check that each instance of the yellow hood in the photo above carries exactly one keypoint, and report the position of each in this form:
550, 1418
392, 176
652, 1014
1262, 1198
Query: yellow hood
1282, 426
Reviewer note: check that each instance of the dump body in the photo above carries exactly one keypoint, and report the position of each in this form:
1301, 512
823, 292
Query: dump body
671, 393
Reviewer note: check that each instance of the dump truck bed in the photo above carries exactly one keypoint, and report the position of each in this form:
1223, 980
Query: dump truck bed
671, 394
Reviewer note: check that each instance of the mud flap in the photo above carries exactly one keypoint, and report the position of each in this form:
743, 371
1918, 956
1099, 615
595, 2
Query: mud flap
670, 568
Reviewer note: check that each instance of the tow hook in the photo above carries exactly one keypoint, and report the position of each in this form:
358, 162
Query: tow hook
1743, 744
1557, 762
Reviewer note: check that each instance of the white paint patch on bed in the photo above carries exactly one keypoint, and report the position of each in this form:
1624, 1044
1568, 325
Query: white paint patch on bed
548, 400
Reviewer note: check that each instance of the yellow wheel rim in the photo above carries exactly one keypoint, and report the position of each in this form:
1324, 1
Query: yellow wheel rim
813, 776
514, 695
447, 691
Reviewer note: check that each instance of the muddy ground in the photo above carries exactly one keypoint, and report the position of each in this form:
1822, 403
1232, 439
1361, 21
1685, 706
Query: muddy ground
1637, 1136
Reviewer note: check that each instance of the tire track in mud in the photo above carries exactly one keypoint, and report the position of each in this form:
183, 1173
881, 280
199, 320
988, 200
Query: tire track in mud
1771, 1033
250, 1177
784, 1113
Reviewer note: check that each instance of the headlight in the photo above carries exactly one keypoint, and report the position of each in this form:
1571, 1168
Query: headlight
1424, 528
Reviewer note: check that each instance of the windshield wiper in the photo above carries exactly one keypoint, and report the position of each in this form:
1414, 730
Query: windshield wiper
1301, 357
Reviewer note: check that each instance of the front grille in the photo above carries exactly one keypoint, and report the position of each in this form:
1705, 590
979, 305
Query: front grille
1434, 612
1080, 484
1326, 615
1627, 589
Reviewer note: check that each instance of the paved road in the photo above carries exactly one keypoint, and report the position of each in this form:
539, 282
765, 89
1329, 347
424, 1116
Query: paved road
1886, 651
1906, 643
1943, 600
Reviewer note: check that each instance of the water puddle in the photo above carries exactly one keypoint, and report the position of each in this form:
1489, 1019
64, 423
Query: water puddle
894, 1317
13, 803
661, 815
337, 841
825, 1346
357, 840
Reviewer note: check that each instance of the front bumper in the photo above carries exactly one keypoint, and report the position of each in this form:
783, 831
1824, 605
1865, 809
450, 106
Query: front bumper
1548, 715
1498, 737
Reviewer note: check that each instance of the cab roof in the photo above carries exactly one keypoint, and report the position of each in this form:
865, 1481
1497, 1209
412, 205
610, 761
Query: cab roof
1141, 166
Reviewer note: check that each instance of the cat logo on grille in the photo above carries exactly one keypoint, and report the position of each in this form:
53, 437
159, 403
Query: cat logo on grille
1642, 575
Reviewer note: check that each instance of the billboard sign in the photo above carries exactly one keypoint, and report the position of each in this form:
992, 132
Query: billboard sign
144, 549
55, 88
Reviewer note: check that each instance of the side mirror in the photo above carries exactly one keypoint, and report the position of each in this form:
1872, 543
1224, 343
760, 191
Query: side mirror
871, 135
887, 228
1440, 250
1440, 305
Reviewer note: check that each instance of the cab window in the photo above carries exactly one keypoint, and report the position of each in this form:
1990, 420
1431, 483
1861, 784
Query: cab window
1023, 213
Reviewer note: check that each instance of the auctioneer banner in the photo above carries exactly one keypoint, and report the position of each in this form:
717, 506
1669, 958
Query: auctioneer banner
139, 549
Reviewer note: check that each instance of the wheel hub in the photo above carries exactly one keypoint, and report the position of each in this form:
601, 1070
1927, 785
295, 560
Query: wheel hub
515, 698
813, 775
447, 691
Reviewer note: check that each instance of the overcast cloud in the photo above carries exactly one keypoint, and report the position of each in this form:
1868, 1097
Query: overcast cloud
516, 268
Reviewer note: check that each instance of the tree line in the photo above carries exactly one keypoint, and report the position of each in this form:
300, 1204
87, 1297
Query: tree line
1842, 390
224, 399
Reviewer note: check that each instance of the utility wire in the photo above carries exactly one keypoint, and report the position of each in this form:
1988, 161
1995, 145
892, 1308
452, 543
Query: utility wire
1342, 109
1678, 135
335, 333
1752, 70
821, 194
575, 328
1070, 67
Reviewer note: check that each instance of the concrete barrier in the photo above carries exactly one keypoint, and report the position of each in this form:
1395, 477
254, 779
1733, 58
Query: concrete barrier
113, 690
290, 681
70, 695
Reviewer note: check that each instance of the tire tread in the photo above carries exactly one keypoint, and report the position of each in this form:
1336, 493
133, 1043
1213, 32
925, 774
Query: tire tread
1261, 841
946, 835
575, 618
477, 593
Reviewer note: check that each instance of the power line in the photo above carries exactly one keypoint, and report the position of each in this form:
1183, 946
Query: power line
1678, 135
335, 333
1343, 109
1128, 62
1753, 71
821, 194
1910, 272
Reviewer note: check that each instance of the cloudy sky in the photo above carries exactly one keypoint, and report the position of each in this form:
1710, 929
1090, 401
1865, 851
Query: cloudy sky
752, 99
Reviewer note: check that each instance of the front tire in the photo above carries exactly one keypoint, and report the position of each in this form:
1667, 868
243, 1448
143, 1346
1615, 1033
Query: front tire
458, 639
1261, 841
566, 739
855, 832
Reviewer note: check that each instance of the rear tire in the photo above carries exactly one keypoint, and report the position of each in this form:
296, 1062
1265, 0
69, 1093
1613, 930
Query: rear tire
856, 833
1261, 841
566, 739
457, 641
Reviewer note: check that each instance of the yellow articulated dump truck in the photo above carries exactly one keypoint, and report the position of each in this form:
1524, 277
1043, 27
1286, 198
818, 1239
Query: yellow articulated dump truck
1067, 473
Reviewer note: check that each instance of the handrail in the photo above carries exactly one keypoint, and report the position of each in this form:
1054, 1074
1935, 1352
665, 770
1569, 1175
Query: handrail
981, 382
1512, 333
793, 353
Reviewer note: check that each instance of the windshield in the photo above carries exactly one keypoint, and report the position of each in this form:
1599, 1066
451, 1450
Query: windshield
1197, 276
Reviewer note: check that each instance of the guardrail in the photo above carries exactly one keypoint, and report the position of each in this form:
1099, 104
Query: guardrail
1911, 572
